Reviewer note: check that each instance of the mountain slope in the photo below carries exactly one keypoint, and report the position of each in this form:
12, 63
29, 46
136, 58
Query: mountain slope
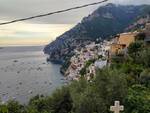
106, 21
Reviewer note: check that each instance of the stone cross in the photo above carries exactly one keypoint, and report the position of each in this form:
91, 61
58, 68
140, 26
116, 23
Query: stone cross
117, 107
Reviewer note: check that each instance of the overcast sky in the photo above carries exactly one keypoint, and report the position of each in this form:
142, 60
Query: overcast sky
11, 9
43, 30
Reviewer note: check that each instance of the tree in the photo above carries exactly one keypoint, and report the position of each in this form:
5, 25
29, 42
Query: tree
138, 100
145, 78
14, 107
144, 57
39, 104
111, 85
3, 109
108, 86
61, 101
141, 36
134, 49
132, 72
91, 102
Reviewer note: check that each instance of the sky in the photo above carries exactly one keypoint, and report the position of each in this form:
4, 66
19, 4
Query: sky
41, 31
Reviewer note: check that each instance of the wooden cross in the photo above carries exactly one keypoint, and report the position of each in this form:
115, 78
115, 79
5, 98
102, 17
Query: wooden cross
117, 107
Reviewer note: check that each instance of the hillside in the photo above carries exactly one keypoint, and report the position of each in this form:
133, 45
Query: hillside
106, 21
126, 79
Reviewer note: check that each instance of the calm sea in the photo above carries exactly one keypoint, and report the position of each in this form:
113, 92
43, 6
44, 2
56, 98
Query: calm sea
25, 73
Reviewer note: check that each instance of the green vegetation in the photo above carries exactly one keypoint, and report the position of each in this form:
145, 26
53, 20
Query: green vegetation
138, 99
65, 65
127, 80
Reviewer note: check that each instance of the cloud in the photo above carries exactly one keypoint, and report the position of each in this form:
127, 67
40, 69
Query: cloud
133, 2
47, 28
26, 33
12, 9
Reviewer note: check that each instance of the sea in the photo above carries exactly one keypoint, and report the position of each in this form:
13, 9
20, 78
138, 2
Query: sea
25, 73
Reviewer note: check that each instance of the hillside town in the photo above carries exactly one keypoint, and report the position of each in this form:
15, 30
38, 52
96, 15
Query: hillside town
98, 55
96, 52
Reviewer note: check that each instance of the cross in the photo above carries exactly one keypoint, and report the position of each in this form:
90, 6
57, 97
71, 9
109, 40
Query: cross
117, 107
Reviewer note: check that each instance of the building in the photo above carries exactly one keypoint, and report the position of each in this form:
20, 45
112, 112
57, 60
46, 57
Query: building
121, 42
147, 33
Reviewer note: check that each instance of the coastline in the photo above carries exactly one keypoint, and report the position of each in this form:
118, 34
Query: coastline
26, 74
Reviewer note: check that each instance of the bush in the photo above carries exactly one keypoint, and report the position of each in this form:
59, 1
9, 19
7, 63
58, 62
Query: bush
97, 96
135, 48
138, 100
145, 78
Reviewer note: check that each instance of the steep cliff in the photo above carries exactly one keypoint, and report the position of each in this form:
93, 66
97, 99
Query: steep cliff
106, 21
